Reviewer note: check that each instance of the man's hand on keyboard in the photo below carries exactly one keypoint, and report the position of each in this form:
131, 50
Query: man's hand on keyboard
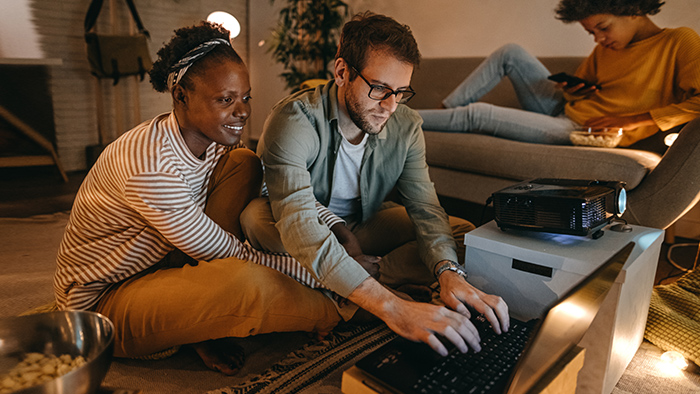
457, 293
417, 321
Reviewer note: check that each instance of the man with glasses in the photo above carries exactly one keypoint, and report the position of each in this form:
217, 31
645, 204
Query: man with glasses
347, 145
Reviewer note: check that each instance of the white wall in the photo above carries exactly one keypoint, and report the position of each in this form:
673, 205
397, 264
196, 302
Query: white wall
18, 36
267, 86
59, 25
448, 28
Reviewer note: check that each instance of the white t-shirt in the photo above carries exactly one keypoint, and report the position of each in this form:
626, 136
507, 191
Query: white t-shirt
345, 195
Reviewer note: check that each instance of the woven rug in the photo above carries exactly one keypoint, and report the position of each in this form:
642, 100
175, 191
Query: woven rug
318, 366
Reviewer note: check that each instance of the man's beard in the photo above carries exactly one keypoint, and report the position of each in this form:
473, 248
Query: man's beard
355, 112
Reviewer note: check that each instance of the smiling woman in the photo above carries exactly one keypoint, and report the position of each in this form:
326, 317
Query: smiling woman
212, 106
154, 240
217, 109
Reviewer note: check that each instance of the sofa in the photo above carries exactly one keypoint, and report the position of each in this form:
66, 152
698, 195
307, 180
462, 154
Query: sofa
661, 186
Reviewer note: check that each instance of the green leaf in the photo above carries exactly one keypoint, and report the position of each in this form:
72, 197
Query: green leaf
305, 39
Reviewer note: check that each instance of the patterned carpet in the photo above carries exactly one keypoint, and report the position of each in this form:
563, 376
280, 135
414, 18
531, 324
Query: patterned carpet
306, 370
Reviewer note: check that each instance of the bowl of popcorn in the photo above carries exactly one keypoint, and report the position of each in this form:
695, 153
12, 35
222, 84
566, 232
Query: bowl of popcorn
597, 137
55, 352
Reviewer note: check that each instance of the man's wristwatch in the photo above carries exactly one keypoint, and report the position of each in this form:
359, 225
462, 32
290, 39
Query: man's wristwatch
449, 265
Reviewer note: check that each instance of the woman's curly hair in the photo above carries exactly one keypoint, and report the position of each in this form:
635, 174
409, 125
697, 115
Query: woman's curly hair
185, 39
576, 10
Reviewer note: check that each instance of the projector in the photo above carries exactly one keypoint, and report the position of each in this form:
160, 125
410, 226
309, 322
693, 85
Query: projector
564, 206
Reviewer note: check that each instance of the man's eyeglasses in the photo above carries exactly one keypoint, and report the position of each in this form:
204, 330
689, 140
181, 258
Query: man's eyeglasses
380, 92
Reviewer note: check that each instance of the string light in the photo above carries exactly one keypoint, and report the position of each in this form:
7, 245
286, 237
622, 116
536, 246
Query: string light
673, 362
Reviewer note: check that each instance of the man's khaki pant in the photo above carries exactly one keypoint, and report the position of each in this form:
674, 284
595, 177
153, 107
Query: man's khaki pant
176, 303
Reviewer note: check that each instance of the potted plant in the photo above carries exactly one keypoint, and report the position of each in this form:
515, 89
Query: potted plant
306, 39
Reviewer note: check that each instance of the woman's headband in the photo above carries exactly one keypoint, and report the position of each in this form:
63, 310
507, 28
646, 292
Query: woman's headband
182, 65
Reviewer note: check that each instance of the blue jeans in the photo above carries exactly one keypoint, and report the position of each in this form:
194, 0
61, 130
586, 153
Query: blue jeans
541, 120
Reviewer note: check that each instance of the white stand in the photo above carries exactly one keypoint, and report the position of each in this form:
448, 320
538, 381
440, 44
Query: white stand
560, 262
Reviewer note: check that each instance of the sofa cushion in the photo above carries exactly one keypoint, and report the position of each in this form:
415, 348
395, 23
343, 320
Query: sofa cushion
487, 155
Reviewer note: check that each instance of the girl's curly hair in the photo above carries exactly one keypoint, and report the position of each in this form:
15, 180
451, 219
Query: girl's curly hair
570, 11
185, 39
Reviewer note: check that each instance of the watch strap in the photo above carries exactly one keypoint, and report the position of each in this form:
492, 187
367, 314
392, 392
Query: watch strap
450, 266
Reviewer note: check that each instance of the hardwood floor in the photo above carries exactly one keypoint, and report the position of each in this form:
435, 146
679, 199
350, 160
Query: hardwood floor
28, 191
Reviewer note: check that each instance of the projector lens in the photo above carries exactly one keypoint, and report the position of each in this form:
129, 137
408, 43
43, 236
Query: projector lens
621, 201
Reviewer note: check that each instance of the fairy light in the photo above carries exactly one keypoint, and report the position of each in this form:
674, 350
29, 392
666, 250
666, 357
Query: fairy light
672, 363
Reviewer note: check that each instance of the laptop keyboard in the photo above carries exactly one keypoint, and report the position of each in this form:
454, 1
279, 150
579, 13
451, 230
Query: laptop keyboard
484, 372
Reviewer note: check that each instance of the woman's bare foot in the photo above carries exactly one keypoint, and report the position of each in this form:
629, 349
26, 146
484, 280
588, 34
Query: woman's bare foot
224, 355
319, 335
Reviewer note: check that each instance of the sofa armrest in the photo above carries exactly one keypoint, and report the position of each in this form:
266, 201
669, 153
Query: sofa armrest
673, 187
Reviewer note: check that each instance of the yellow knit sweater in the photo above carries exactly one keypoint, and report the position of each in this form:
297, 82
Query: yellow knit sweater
659, 75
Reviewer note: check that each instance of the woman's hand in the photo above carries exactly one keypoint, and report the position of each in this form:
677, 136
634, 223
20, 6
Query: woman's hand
369, 263
352, 247
347, 239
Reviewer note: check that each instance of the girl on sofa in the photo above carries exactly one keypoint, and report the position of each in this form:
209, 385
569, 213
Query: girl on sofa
648, 79
154, 237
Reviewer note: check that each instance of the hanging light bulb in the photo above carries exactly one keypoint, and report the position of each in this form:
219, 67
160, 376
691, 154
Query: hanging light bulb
228, 21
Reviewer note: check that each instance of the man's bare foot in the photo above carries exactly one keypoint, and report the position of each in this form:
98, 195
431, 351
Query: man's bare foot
224, 355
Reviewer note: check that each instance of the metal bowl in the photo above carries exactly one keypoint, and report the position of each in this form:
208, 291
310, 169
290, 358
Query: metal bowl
76, 333
597, 137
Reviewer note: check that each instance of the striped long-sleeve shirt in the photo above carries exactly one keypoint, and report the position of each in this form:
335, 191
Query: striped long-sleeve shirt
143, 198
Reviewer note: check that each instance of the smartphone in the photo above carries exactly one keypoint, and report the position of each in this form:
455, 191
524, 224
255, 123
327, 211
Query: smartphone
572, 80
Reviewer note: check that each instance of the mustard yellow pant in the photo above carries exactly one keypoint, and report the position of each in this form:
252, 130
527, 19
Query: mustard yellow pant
179, 303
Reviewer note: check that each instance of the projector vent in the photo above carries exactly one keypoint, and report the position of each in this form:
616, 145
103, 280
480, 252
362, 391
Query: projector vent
567, 206
551, 213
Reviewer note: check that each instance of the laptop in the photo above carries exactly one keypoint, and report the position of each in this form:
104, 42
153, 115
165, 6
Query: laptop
520, 357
